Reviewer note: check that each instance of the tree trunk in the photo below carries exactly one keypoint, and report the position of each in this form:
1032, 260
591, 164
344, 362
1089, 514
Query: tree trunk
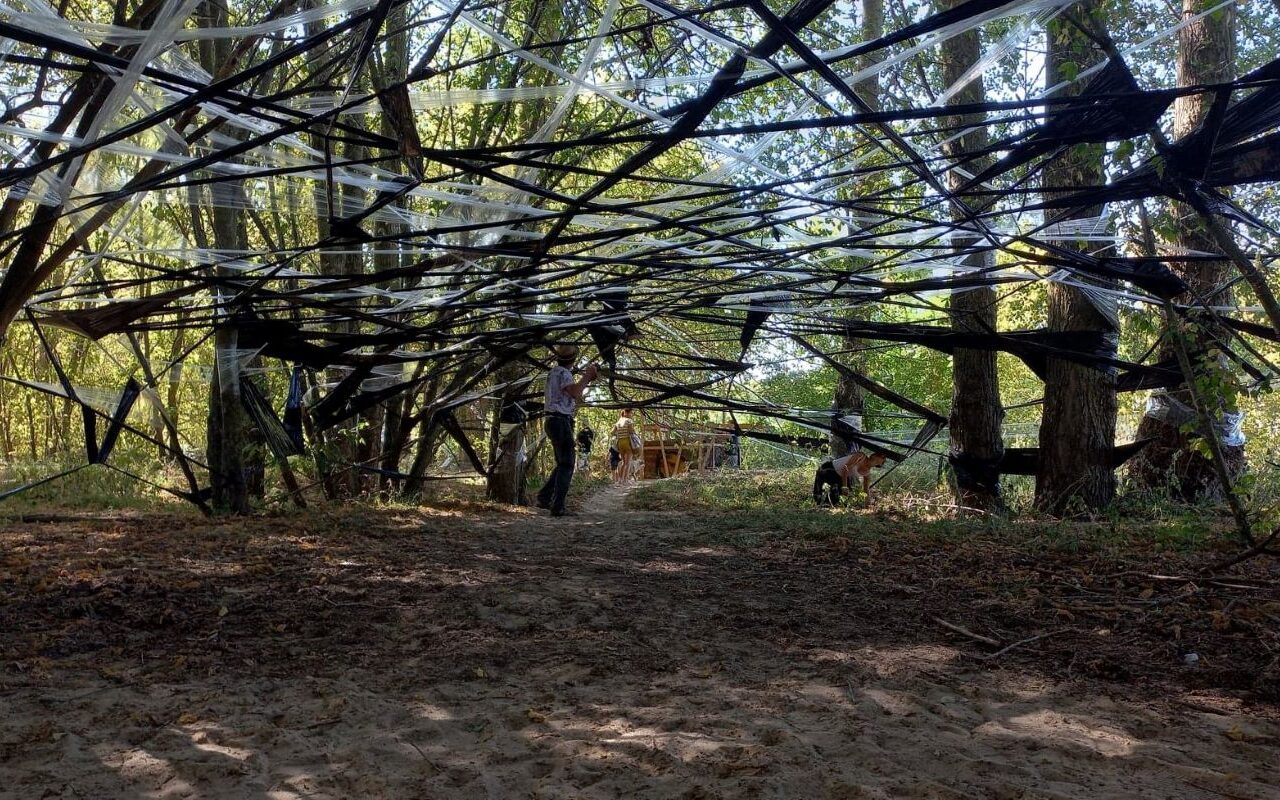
393, 69
229, 426
849, 397
506, 480
228, 430
340, 444
1078, 424
976, 411
424, 456
1206, 54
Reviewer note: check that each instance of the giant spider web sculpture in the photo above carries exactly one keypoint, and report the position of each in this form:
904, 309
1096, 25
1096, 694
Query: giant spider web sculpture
428, 192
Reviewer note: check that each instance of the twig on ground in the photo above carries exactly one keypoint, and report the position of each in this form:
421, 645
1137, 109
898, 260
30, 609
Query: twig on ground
1021, 642
1224, 581
1261, 548
977, 637
1201, 707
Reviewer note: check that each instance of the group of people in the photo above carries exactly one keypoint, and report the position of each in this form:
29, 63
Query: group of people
561, 400
624, 448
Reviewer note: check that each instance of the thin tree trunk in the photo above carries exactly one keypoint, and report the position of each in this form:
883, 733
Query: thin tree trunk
340, 445
228, 430
507, 455
976, 411
31, 429
424, 456
6, 424
173, 378
850, 398
394, 69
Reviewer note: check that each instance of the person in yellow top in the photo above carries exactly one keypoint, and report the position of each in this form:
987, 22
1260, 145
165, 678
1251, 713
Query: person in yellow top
626, 440
837, 474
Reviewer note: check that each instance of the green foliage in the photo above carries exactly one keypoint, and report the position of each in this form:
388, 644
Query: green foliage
756, 507
89, 489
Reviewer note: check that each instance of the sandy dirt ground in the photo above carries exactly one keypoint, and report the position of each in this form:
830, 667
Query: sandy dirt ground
441, 654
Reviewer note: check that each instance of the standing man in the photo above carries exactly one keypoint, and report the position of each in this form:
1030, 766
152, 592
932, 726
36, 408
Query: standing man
561, 400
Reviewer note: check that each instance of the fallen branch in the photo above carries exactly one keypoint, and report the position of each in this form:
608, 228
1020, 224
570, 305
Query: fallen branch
1207, 577
1020, 643
1261, 548
977, 637
1202, 707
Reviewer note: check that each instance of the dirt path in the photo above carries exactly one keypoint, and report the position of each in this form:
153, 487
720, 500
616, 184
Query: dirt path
396, 654
609, 500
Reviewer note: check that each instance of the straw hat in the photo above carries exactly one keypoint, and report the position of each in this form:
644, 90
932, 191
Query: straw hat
565, 352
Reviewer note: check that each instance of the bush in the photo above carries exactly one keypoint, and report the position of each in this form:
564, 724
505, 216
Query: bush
92, 487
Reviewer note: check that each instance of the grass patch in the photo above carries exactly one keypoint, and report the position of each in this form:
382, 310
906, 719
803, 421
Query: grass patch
91, 488
750, 508
727, 490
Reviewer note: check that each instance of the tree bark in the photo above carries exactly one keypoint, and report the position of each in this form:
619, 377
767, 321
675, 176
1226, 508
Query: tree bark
1206, 54
424, 456
849, 397
229, 426
340, 444
394, 69
1078, 424
976, 411
507, 456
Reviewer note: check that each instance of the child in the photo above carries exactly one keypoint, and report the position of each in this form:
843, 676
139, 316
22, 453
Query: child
834, 475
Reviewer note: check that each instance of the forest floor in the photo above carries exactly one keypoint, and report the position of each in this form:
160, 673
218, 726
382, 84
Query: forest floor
471, 651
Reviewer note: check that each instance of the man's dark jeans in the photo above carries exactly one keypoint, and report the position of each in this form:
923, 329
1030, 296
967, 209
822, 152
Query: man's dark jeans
556, 489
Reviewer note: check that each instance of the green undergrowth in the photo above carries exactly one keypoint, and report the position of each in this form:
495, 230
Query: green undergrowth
743, 508
88, 488
750, 508
99, 488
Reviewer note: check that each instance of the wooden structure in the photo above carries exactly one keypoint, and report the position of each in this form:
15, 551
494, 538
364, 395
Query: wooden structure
670, 451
